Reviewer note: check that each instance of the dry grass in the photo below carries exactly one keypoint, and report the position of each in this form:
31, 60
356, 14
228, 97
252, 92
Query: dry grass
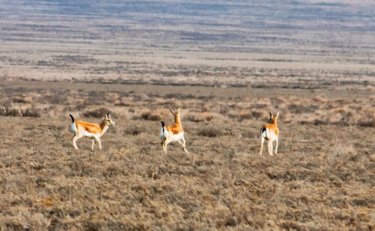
153, 105
323, 178
226, 65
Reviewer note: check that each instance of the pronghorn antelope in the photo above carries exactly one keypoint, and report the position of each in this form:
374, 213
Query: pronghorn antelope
173, 132
270, 132
92, 130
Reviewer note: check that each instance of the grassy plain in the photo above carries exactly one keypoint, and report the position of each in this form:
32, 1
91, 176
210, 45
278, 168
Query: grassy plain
226, 65
322, 179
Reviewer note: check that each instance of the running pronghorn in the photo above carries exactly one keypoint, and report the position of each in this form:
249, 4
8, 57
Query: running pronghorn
270, 132
92, 130
173, 132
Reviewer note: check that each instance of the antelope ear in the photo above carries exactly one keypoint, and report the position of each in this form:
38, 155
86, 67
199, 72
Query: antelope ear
271, 115
277, 115
109, 115
171, 111
178, 110
106, 116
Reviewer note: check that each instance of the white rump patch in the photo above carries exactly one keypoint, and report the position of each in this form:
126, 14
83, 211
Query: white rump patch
73, 128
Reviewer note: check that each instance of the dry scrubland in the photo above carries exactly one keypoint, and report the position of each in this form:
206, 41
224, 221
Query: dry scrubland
322, 179
226, 64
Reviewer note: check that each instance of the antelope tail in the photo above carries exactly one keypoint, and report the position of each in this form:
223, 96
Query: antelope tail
162, 125
71, 116
73, 127
263, 132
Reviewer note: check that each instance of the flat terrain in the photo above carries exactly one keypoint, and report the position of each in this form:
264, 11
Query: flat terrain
322, 179
248, 43
226, 65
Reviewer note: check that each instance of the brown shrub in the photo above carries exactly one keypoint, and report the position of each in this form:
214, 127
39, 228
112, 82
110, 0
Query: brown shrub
233, 114
30, 112
299, 108
244, 115
23, 99
224, 109
367, 122
150, 116
210, 131
5, 111
247, 115
200, 117
260, 105
257, 114
98, 113
13, 112
319, 99
134, 130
